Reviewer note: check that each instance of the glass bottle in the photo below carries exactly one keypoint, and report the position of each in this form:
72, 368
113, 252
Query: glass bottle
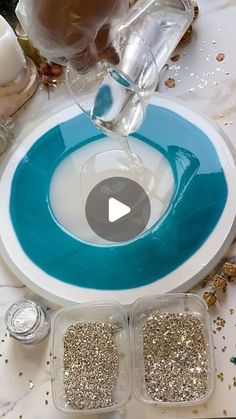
27, 322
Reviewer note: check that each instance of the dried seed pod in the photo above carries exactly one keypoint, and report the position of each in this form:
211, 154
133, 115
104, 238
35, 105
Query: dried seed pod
175, 57
210, 298
187, 36
229, 269
220, 56
219, 282
196, 10
170, 83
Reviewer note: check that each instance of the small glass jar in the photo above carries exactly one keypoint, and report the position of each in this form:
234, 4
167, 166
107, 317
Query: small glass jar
27, 322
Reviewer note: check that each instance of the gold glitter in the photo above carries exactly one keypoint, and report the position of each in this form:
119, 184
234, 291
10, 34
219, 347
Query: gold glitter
225, 412
0, 355
163, 411
223, 337
6, 361
177, 334
20, 417
91, 346
214, 331
219, 329
170, 83
205, 406
3, 340
231, 310
223, 349
20, 374
31, 385
195, 411
46, 402
48, 362
47, 393
220, 56
229, 386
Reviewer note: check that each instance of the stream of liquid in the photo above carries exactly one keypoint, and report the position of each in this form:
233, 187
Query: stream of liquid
109, 157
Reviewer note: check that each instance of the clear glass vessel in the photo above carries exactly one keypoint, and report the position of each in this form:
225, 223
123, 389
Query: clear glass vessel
27, 322
116, 96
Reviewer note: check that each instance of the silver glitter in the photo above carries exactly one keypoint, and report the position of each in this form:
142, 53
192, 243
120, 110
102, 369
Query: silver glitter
175, 357
91, 365
27, 322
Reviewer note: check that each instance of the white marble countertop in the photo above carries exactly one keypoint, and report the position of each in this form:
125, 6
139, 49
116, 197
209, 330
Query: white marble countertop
207, 85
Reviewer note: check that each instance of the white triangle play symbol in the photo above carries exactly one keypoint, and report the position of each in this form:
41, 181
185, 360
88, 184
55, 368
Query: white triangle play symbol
117, 210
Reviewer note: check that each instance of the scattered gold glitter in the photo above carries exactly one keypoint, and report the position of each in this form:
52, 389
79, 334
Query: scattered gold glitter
6, 361
3, 340
220, 56
54, 357
0, 355
20, 374
195, 411
231, 310
205, 406
225, 412
229, 386
223, 337
6, 335
170, 83
92, 348
182, 334
224, 349
220, 376
163, 411
46, 402
175, 57
219, 329
214, 331
48, 362
47, 393
31, 385
20, 417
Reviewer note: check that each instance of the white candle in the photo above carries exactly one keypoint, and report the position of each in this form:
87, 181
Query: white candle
12, 60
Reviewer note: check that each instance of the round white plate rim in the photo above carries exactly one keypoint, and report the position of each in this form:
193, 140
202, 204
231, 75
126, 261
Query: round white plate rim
66, 294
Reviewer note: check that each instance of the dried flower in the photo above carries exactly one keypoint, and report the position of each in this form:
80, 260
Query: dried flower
220, 56
230, 269
187, 36
219, 282
175, 57
210, 298
170, 83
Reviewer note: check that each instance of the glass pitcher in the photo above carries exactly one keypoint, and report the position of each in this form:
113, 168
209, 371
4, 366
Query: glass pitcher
115, 97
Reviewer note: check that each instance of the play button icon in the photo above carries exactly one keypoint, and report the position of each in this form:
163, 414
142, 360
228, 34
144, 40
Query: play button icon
118, 209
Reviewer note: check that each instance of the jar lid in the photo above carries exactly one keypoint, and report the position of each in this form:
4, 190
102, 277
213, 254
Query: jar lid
22, 317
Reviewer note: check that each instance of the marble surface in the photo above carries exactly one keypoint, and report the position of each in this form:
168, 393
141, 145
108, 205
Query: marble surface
209, 86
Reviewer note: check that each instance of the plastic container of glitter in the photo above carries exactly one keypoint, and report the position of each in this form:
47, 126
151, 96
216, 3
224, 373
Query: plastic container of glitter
107, 312
144, 376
